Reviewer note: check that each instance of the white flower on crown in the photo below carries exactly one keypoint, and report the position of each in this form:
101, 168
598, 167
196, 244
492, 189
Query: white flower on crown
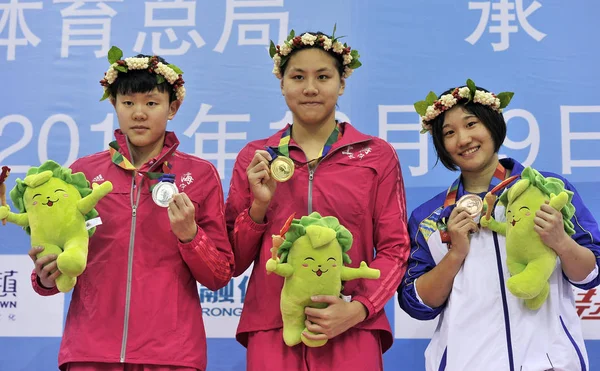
347, 72
327, 43
284, 50
136, 63
447, 100
487, 99
431, 113
464, 92
308, 39
347, 59
338, 47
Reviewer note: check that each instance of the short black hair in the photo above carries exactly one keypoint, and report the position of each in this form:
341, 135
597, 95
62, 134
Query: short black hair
140, 81
491, 119
339, 59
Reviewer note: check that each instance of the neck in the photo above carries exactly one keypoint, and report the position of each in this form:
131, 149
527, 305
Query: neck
141, 155
479, 181
309, 136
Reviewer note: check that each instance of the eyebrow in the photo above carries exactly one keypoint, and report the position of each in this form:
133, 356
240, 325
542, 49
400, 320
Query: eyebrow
466, 116
322, 69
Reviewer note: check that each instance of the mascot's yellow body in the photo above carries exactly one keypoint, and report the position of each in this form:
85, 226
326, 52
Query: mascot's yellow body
55, 206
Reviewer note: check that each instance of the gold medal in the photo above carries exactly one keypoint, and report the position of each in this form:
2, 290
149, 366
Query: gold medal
282, 168
473, 204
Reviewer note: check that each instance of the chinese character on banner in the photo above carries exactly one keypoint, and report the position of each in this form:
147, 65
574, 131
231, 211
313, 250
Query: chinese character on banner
13, 20
207, 296
249, 22
86, 25
569, 136
243, 286
152, 9
221, 136
588, 304
385, 128
9, 284
226, 293
504, 15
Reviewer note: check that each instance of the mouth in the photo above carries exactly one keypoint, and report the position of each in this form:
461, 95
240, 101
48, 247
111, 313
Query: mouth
50, 203
311, 104
514, 222
139, 128
319, 272
470, 151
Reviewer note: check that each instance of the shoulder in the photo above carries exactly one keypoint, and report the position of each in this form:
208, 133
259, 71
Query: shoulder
90, 162
428, 208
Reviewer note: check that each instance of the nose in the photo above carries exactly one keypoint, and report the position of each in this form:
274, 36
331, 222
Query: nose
319, 265
138, 114
310, 89
464, 138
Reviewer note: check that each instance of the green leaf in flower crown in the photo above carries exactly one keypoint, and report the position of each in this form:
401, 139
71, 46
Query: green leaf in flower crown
355, 64
472, 88
334, 28
423, 131
272, 49
106, 95
121, 68
159, 79
421, 107
114, 54
291, 35
505, 98
176, 69
430, 98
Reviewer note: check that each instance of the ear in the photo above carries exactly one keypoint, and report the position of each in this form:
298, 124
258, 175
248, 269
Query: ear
113, 101
342, 87
173, 108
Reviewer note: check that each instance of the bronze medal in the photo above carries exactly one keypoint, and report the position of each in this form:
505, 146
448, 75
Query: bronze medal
282, 168
473, 204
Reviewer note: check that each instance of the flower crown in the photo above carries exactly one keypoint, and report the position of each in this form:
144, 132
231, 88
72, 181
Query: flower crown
281, 53
169, 72
432, 106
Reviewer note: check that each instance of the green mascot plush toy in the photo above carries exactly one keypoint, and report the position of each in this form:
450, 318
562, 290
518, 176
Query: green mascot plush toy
54, 206
311, 259
529, 261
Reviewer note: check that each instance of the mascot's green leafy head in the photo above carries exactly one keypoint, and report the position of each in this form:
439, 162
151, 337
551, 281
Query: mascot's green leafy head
49, 182
298, 229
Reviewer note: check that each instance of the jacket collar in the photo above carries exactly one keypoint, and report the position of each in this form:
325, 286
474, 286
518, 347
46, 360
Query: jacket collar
170, 145
349, 135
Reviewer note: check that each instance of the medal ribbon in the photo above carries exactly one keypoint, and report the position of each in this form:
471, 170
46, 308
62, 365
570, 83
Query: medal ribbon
121, 161
284, 143
498, 177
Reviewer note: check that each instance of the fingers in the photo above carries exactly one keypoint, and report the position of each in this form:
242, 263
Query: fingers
34, 251
260, 156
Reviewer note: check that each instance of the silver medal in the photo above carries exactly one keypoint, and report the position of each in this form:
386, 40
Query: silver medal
163, 193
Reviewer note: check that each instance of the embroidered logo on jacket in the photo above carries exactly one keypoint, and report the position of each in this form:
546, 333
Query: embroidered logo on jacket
98, 179
186, 180
357, 154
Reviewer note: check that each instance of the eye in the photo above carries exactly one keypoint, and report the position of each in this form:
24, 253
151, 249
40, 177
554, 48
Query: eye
127, 103
59, 190
151, 104
297, 77
323, 77
448, 133
37, 194
309, 258
523, 207
331, 258
471, 124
